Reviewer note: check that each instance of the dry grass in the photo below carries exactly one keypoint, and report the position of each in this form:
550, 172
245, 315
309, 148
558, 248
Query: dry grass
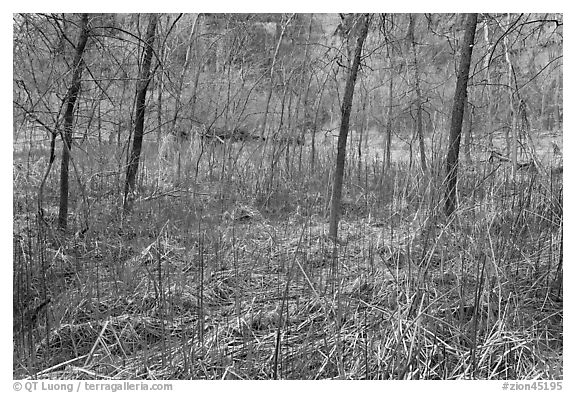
232, 277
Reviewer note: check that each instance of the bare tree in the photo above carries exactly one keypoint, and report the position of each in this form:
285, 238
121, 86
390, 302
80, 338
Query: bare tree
458, 113
512, 145
71, 97
142, 88
363, 21
272, 70
177, 102
490, 100
388, 139
419, 126
469, 130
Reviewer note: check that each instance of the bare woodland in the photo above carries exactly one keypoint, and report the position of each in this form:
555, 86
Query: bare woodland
288, 196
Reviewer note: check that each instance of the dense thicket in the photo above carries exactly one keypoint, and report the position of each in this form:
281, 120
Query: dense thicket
221, 131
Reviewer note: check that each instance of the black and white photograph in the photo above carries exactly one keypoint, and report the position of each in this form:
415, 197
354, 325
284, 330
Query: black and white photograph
287, 196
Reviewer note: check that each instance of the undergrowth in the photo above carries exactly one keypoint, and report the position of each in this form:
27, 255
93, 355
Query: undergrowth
227, 273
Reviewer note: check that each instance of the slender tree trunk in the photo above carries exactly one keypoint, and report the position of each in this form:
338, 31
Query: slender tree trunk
142, 88
71, 96
272, 68
159, 113
195, 86
278, 148
419, 127
458, 113
318, 106
543, 102
159, 99
99, 121
490, 120
304, 101
343, 134
513, 144
468, 134
179, 135
513, 152
507, 140
558, 103
389, 119
362, 124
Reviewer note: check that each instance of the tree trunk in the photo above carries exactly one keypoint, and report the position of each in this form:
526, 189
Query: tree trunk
543, 120
513, 152
317, 112
468, 135
343, 134
99, 123
458, 114
142, 88
361, 129
272, 68
558, 104
389, 119
419, 127
71, 96
490, 122
304, 101
159, 99
180, 135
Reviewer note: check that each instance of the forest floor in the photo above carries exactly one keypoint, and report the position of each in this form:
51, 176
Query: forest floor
235, 278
